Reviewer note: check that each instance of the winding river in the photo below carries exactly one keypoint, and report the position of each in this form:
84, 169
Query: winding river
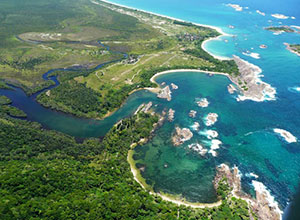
66, 123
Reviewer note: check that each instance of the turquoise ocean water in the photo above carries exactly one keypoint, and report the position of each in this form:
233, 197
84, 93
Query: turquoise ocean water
245, 128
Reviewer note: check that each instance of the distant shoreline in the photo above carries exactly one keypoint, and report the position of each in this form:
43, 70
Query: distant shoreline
218, 29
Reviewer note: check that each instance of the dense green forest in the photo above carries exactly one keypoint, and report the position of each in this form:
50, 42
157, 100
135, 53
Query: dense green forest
48, 175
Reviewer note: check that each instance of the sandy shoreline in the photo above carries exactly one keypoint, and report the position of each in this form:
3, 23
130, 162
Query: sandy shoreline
213, 39
166, 197
218, 29
184, 70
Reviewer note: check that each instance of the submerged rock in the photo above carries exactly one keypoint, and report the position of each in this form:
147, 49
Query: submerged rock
181, 135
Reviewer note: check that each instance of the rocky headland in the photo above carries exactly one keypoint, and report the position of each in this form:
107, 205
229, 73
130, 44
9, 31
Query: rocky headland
250, 84
263, 206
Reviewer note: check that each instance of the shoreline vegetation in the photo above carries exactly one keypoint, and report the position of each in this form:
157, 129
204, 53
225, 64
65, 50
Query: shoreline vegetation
89, 180
293, 48
227, 184
177, 45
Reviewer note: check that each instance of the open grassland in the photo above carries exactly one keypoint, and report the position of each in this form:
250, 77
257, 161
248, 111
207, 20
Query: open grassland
40, 35
153, 44
119, 74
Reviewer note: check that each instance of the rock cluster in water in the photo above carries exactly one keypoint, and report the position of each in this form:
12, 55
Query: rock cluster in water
171, 115
264, 205
173, 86
192, 114
165, 93
144, 108
211, 119
203, 103
231, 89
181, 135
198, 148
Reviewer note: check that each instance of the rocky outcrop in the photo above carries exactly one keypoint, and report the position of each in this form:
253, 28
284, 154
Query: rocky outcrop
144, 108
195, 126
211, 119
264, 205
192, 113
173, 86
198, 148
250, 84
165, 93
181, 135
203, 103
231, 89
171, 115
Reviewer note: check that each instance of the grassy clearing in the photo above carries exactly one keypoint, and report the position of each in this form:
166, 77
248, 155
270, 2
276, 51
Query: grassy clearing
44, 33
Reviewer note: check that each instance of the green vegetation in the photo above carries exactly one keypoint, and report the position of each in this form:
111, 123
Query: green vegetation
10, 110
4, 100
3, 85
48, 175
43, 35
286, 29
176, 46
61, 33
295, 48
227, 66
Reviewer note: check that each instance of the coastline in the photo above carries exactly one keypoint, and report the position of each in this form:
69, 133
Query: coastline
218, 29
136, 172
213, 39
166, 197
258, 90
183, 70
